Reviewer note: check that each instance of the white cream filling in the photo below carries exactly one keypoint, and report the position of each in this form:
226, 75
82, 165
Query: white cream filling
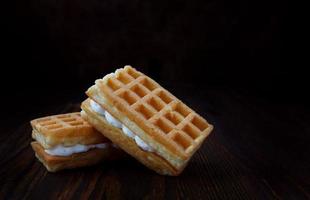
96, 107
128, 132
114, 122
61, 150
142, 144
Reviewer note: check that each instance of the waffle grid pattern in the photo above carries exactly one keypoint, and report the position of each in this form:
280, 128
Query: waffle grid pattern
145, 97
61, 121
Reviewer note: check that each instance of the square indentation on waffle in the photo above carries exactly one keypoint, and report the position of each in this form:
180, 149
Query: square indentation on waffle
182, 140
113, 84
182, 109
145, 111
156, 103
129, 97
139, 90
174, 117
164, 96
133, 73
148, 83
124, 78
163, 125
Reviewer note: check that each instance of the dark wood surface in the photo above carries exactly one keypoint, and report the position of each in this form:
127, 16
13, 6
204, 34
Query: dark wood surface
259, 149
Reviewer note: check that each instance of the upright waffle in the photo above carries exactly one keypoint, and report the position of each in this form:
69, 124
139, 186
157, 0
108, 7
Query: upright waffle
162, 121
68, 141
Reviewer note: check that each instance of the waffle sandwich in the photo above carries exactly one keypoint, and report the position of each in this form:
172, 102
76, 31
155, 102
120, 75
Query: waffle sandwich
145, 120
68, 141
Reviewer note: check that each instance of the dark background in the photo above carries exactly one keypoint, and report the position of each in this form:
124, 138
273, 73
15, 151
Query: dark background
52, 51
237, 56
62, 46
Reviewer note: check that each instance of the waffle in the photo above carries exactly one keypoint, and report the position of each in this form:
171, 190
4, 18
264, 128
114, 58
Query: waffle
68, 130
65, 129
160, 119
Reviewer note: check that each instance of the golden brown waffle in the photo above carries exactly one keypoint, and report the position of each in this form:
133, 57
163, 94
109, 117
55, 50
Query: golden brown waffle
163, 121
65, 129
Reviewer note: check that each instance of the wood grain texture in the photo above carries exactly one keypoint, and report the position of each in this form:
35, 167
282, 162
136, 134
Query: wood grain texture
240, 160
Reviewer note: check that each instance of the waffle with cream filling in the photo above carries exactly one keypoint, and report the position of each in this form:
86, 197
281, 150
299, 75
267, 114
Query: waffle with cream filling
68, 141
171, 130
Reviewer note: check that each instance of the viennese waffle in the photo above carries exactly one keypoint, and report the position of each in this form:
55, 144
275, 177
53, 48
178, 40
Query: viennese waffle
164, 123
64, 141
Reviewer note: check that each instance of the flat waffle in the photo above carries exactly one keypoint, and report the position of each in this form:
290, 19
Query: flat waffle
65, 129
68, 141
57, 163
160, 119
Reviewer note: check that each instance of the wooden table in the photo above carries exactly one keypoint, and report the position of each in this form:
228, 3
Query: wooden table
258, 150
